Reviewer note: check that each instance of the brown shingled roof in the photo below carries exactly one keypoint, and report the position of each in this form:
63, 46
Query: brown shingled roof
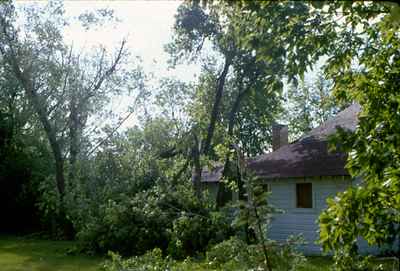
305, 157
347, 119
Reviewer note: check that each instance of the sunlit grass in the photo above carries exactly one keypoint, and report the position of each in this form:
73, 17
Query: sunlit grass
17, 254
21, 254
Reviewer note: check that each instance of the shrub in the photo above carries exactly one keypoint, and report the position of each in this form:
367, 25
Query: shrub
170, 218
193, 233
151, 261
130, 226
235, 252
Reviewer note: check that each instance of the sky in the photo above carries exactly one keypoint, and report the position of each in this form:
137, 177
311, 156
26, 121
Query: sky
147, 27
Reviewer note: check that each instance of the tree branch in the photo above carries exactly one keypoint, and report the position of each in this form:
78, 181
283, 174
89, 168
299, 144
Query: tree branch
217, 105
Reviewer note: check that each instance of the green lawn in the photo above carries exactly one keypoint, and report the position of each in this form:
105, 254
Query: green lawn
18, 254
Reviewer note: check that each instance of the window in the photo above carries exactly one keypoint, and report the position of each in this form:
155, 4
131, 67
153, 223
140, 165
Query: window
304, 195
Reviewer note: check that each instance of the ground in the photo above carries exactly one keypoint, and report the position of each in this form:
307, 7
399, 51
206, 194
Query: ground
23, 254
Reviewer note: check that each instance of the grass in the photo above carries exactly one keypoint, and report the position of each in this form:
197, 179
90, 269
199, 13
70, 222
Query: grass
21, 254
18, 254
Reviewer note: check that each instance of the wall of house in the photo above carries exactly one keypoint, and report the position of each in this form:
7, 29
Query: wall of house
303, 221
295, 221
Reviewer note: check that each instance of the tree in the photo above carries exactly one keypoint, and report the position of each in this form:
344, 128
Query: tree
24, 158
245, 86
361, 42
309, 105
55, 80
372, 209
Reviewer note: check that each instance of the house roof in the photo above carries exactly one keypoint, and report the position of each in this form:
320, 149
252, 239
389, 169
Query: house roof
306, 157
347, 119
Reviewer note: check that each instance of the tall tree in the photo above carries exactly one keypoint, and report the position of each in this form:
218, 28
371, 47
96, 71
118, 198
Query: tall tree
220, 25
54, 79
308, 105
372, 209
361, 43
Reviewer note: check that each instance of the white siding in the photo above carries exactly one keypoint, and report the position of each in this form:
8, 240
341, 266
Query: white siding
303, 221
294, 220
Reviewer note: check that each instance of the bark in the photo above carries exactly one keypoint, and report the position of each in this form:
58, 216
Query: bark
34, 99
196, 150
178, 175
169, 153
217, 105
73, 136
262, 239
196, 167
26, 80
30, 91
222, 190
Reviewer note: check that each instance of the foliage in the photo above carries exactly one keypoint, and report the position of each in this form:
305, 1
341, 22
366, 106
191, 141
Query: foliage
233, 249
24, 161
360, 42
253, 215
172, 220
246, 99
54, 255
131, 193
280, 33
237, 98
240, 84
151, 261
309, 105
193, 233
63, 88
234, 252
371, 209
130, 203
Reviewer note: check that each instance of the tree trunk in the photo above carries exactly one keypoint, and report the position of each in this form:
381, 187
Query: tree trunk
262, 239
73, 136
49, 130
217, 105
222, 191
196, 167
210, 131
11, 57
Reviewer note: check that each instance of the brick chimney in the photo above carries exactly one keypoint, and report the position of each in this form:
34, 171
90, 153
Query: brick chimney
279, 136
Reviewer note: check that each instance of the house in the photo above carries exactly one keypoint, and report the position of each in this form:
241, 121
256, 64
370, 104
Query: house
301, 176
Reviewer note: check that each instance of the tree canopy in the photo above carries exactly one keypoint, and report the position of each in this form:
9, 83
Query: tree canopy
131, 190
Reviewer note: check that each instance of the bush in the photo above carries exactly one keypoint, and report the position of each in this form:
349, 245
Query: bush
192, 234
235, 252
170, 218
151, 261
231, 251
130, 226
